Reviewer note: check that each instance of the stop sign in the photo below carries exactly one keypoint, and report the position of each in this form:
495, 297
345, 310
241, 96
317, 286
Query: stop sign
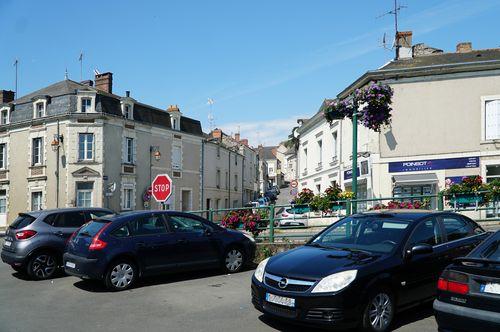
161, 188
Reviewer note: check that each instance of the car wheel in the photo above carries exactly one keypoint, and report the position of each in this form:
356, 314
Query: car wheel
379, 311
234, 260
42, 265
121, 275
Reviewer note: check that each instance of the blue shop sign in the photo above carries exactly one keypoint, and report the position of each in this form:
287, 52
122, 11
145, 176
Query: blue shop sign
433, 164
348, 173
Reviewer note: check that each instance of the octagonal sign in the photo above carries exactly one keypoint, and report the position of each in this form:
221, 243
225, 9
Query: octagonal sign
161, 188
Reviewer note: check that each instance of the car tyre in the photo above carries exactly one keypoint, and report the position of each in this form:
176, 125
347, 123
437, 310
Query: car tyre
121, 275
379, 311
234, 260
42, 265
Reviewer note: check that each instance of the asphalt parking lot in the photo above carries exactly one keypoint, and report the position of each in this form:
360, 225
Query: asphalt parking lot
207, 301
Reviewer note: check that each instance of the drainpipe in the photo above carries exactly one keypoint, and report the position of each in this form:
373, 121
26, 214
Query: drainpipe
202, 198
57, 164
242, 179
229, 180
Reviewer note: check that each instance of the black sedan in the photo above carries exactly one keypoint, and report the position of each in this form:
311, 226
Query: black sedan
120, 249
469, 290
364, 268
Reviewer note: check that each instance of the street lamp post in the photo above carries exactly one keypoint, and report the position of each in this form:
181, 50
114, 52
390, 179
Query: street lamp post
354, 181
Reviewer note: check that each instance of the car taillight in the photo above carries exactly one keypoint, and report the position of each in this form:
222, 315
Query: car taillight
24, 235
98, 244
454, 282
284, 215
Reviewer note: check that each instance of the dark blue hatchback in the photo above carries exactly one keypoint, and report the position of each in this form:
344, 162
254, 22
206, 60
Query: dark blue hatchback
120, 249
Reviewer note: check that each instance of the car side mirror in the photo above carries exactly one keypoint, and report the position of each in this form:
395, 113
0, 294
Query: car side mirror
419, 249
208, 232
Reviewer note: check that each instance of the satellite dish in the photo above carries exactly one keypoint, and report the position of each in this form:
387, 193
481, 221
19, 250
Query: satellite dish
112, 187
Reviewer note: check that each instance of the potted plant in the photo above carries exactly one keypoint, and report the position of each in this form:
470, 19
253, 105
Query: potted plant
472, 190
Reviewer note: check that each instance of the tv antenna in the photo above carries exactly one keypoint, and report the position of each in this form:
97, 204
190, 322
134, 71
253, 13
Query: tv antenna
210, 103
395, 12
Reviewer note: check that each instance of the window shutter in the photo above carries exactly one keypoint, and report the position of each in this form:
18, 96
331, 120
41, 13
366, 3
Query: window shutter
124, 150
492, 116
134, 151
176, 157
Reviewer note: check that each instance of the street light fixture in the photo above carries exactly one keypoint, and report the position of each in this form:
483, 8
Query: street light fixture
56, 142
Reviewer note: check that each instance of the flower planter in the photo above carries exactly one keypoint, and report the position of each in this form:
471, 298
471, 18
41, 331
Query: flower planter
467, 199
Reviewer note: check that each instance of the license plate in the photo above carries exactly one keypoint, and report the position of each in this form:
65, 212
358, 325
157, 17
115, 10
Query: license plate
7, 243
281, 300
70, 265
490, 288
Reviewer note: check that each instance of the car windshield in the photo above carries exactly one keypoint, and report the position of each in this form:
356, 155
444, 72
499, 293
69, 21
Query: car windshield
368, 233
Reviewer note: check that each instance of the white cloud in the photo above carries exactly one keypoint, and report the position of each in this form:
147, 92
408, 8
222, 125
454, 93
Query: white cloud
268, 132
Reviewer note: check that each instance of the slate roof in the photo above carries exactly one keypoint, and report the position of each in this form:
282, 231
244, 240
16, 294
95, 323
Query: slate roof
110, 103
445, 59
267, 152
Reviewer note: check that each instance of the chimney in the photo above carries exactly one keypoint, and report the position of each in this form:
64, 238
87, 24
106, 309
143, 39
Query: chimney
237, 137
464, 47
403, 44
127, 94
6, 96
217, 133
104, 82
244, 142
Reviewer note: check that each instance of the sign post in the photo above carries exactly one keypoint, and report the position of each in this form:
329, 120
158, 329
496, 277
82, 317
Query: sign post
161, 188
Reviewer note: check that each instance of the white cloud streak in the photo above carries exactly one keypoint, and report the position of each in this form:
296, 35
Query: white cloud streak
265, 132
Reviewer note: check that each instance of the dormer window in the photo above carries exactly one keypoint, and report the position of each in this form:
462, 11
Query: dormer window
86, 101
39, 109
86, 105
175, 117
127, 112
4, 116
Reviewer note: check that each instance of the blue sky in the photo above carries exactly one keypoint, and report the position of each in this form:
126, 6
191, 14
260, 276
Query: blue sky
265, 63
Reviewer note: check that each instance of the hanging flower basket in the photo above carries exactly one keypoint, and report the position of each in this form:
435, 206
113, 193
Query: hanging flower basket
373, 103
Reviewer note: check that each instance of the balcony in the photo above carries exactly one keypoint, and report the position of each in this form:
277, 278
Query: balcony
304, 172
319, 167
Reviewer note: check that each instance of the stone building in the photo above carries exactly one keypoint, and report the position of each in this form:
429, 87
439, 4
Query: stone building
76, 144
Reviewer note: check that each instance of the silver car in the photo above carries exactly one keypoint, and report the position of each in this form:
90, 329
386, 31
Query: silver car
35, 241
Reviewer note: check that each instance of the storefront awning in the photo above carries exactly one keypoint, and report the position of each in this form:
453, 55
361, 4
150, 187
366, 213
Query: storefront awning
409, 179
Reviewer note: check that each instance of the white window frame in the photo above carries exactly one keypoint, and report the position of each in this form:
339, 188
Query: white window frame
129, 115
85, 95
129, 150
40, 203
3, 201
320, 151
37, 102
86, 108
84, 191
177, 165
484, 100
40, 151
128, 197
2, 111
86, 147
335, 137
3, 155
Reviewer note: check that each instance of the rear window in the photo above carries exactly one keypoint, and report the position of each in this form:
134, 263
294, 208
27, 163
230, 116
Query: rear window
22, 221
492, 251
92, 228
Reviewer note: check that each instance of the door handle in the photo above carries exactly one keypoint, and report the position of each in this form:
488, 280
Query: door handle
182, 241
141, 244
59, 233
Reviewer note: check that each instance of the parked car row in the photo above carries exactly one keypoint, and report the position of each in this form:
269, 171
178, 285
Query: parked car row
362, 270
118, 249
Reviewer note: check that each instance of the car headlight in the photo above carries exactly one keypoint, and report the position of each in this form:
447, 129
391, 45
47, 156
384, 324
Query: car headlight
259, 272
335, 282
249, 237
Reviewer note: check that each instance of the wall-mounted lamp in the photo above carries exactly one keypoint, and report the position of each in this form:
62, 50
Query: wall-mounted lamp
56, 142
155, 150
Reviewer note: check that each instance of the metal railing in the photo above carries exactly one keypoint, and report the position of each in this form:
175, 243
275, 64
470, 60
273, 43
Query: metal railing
308, 221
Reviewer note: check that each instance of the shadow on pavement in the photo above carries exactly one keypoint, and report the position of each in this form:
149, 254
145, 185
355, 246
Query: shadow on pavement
164, 279
403, 318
